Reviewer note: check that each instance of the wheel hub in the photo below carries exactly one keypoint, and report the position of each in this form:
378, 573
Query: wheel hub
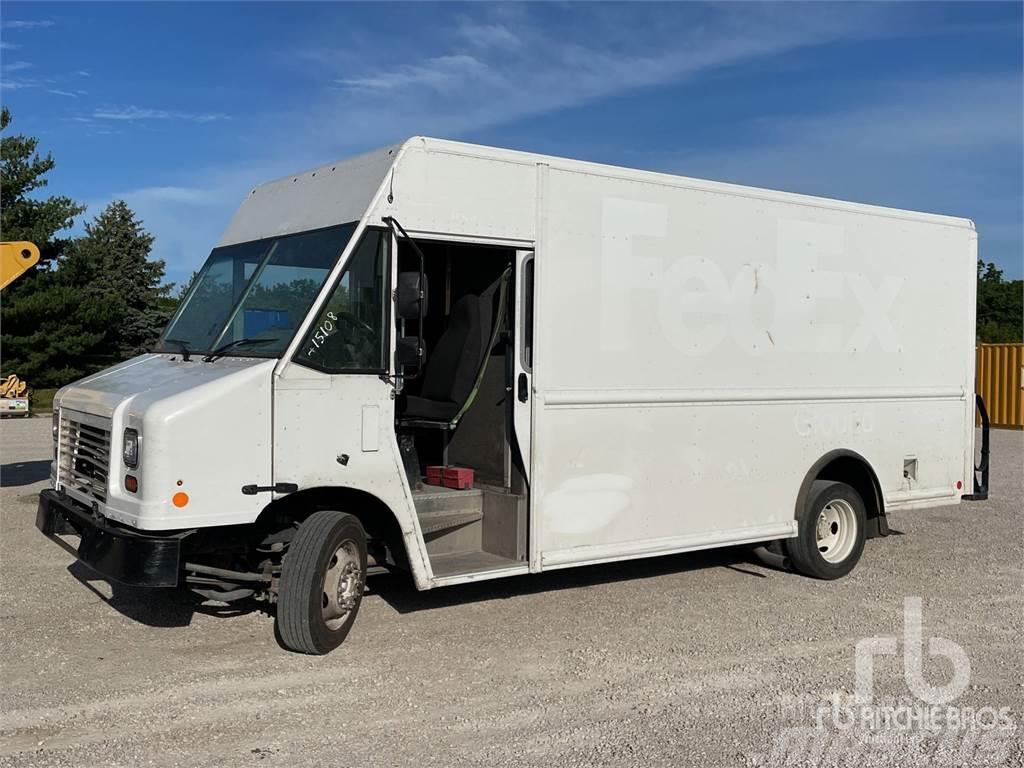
836, 530
343, 584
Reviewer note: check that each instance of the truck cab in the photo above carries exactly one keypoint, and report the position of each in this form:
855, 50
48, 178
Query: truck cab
320, 360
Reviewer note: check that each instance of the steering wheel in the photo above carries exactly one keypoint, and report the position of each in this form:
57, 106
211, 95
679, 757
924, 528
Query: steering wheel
348, 341
357, 325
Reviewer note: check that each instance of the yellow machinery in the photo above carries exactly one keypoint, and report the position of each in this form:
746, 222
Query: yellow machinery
12, 386
15, 259
13, 397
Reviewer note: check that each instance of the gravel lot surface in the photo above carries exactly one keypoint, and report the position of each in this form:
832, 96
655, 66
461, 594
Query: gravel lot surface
693, 660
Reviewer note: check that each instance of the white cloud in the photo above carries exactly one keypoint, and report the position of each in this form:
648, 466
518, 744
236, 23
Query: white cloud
176, 195
20, 81
941, 146
921, 116
17, 66
489, 35
130, 113
15, 24
58, 92
866, 146
513, 68
441, 74
8, 84
133, 113
6, 46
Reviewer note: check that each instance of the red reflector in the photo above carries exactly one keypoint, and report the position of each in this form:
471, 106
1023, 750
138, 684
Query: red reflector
131, 483
959, 485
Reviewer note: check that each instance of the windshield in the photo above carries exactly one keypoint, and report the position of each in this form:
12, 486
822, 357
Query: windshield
257, 292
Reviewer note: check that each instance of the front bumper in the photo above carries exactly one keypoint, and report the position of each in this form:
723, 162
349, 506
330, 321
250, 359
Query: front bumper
116, 553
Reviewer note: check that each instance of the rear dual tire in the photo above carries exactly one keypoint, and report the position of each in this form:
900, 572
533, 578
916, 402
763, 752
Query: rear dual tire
322, 580
831, 530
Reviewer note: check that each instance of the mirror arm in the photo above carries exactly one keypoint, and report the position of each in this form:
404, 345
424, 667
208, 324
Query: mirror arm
399, 232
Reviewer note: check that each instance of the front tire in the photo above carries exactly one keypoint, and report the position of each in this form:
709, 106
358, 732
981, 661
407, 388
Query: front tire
322, 580
831, 531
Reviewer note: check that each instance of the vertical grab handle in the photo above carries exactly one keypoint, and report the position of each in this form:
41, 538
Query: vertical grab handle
981, 470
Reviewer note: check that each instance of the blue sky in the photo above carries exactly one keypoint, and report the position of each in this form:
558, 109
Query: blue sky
179, 108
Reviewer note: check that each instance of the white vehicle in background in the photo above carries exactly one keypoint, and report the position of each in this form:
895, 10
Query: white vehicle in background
632, 363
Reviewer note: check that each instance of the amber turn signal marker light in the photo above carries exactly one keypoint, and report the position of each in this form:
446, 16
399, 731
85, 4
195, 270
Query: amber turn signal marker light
131, 483
180, 499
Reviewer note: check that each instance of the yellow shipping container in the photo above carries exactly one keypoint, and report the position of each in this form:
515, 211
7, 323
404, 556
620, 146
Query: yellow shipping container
998, 380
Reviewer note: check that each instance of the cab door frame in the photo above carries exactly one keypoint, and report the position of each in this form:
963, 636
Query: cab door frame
336, 429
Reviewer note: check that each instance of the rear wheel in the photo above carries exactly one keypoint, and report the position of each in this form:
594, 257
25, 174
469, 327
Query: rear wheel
322, 580
832, 528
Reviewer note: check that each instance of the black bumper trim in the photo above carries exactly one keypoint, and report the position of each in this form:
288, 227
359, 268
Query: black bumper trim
116, 553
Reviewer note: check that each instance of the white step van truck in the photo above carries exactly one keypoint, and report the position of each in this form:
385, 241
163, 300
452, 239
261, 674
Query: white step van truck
632, 364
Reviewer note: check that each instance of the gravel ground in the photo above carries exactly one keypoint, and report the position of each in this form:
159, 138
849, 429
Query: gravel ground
692, 660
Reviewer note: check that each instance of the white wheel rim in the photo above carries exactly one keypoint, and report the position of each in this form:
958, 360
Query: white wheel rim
836, 531
343, 584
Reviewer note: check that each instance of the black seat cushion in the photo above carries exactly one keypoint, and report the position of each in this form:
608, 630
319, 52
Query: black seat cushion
452, 365
429, 410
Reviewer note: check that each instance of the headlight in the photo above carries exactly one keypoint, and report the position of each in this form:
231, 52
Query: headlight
56, 423
131, 448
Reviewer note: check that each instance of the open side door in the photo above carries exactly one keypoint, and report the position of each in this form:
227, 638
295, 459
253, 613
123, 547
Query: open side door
522, 386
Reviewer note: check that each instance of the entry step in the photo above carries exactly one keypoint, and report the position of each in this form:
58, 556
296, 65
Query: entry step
432, 522
434, 499
440, 509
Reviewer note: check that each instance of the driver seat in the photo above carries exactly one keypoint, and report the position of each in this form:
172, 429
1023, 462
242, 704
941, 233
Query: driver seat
455, 367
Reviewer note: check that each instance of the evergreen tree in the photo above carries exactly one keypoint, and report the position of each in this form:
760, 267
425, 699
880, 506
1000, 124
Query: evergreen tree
53, 335
111, 262
1000, 306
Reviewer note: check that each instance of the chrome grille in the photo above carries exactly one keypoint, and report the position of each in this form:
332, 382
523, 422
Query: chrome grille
84, 455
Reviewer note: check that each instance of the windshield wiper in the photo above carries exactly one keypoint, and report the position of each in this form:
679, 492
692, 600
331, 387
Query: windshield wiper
219, 351
185, 351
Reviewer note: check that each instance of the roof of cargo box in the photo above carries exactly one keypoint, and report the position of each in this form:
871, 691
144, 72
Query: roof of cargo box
342, 191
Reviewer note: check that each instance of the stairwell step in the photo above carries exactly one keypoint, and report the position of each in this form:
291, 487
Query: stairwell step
432, 522
445, 500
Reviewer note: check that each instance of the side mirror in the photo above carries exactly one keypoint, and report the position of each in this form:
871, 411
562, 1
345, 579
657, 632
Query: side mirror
409, 295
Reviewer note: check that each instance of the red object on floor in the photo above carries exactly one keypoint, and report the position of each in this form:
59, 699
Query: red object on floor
435, 475
458, 477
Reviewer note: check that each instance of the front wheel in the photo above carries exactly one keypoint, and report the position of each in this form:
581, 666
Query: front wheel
322, 580
831, 531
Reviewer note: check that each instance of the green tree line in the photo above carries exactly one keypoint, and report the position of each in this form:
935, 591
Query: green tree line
1000, 306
